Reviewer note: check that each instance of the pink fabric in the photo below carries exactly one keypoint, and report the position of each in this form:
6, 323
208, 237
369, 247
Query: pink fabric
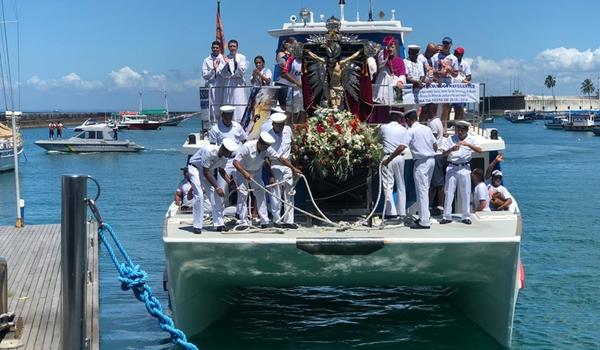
396, 66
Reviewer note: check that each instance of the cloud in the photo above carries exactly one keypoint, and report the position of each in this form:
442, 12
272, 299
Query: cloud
38, 82
569, 59
69, 81
126, 78
504, 68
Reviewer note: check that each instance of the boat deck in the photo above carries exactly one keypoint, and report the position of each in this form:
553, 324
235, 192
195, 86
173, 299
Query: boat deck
34, 284
486, 227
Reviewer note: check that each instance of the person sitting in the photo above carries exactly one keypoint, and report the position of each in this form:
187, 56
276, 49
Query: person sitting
481, 196
184, 195
500, 198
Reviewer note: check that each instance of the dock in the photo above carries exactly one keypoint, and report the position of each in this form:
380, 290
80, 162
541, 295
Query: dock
34, 284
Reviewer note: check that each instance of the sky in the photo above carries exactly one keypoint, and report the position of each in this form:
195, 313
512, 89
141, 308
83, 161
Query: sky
84, 55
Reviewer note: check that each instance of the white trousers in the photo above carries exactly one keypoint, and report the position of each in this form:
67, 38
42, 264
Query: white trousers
284, 191
242, 206
394, 173
198, 201
458, 176
221, 201
215, 205
423, 170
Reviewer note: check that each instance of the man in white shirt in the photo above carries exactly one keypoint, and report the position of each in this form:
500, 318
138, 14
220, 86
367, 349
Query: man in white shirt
445, 67
184, 195
463, 77
425, 59
227, 128
282, 174
415, 73
439, 171
459, 149
233, 73
213, 64
500, 198
209, 157
393, 135
422, 145
481, 196
249, 162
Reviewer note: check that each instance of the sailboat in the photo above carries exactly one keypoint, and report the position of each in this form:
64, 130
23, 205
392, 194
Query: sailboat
7, 153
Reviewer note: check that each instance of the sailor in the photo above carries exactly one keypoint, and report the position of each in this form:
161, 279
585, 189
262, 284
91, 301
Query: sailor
233, 73
393, 135
459, 149
213, 64
205, 161
249, 161
226, 128
282, 174
184, 195
268, 124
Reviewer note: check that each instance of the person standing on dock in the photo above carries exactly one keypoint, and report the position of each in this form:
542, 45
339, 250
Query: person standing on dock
213, 64
459, 149
233, 73
282, 174
393, 135
51, 128
204, 162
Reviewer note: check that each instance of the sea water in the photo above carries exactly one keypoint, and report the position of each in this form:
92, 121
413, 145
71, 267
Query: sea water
552, 173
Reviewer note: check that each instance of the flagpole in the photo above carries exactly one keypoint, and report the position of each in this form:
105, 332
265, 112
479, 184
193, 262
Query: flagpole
14, 115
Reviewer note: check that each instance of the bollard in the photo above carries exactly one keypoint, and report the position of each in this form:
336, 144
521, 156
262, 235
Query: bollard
73, 261
3, 286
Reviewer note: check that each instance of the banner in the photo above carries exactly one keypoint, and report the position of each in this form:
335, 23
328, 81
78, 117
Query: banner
444, 93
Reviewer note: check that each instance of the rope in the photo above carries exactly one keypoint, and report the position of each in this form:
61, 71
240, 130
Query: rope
134, 278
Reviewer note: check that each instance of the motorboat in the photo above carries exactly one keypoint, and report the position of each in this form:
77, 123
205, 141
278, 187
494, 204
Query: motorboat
139, 122
581, 123
174, 120
90, 123
480, 263
556, 123
7, 161
96, 138
521, 118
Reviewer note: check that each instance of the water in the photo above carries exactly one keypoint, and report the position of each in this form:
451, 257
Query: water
551, 173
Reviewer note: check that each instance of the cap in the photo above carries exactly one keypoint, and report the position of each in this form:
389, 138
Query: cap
227, 109
460, 51
230, 145
277, 109
278, 117
496, 173
462, 123
414, 47
447, 40
411, 114
267, 138
397, 113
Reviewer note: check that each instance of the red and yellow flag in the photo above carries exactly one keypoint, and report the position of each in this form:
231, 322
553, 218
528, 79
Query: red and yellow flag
220, 35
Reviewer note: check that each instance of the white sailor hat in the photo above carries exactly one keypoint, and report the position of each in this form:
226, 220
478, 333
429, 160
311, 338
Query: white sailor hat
230, 145
277, 109
227, 109
278, 117
462, 123
267, 138
414, 47
398, 113
496, 173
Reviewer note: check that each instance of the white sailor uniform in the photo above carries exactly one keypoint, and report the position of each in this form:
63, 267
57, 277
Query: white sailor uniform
283, 177
421, 141
393, 135
458, 175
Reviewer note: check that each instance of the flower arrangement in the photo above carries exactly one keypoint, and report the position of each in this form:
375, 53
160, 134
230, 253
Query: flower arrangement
333, 143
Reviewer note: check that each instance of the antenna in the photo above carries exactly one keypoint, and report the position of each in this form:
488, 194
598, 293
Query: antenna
370, 11
342, 4
357, 14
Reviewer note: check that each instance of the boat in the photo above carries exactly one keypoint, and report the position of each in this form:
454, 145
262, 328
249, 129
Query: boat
139, 122
97, 138
596, 131
174, 120
7, 159
521, 118
480, 263
581, 122
556, 123
90, 124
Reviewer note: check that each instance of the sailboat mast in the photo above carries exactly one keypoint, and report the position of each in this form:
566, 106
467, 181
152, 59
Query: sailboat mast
14, 115
166, 102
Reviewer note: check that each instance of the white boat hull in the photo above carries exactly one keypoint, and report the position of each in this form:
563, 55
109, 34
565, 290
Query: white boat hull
7, 160
84, 147
482, 266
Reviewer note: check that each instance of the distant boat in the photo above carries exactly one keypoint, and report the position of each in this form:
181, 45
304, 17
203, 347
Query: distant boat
7, 159
139, 122
521, 118
556, 123
97, 138
596, 131
175, 120
90, 123
581, 123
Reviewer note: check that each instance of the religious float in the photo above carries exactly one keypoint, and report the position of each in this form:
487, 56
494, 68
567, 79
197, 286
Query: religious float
342, 240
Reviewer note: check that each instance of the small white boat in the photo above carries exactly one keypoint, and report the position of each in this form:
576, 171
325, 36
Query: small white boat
7, 162
97, 138
88, 124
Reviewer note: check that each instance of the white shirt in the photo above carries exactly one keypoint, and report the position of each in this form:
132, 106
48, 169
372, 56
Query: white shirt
435, 124
183, 189
208, 157
283, 143
424, 61
464, 70
464, 153
393, 135
439, 57
501, 189
479, 194
235, 132
209, 72
414, 70
266, 72
372, 66
421, 141
250, 158
282, 60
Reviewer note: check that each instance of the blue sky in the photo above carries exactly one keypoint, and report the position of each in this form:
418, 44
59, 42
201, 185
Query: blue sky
95, 55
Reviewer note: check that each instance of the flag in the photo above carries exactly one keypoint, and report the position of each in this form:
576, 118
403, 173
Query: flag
220, 35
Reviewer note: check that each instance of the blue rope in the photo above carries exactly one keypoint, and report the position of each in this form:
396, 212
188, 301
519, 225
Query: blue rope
134, 278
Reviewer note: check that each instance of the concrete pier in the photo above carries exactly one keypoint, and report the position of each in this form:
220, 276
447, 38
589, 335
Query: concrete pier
34, 284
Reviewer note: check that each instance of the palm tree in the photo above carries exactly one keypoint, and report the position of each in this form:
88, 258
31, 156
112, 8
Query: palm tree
587, 87
550, 83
